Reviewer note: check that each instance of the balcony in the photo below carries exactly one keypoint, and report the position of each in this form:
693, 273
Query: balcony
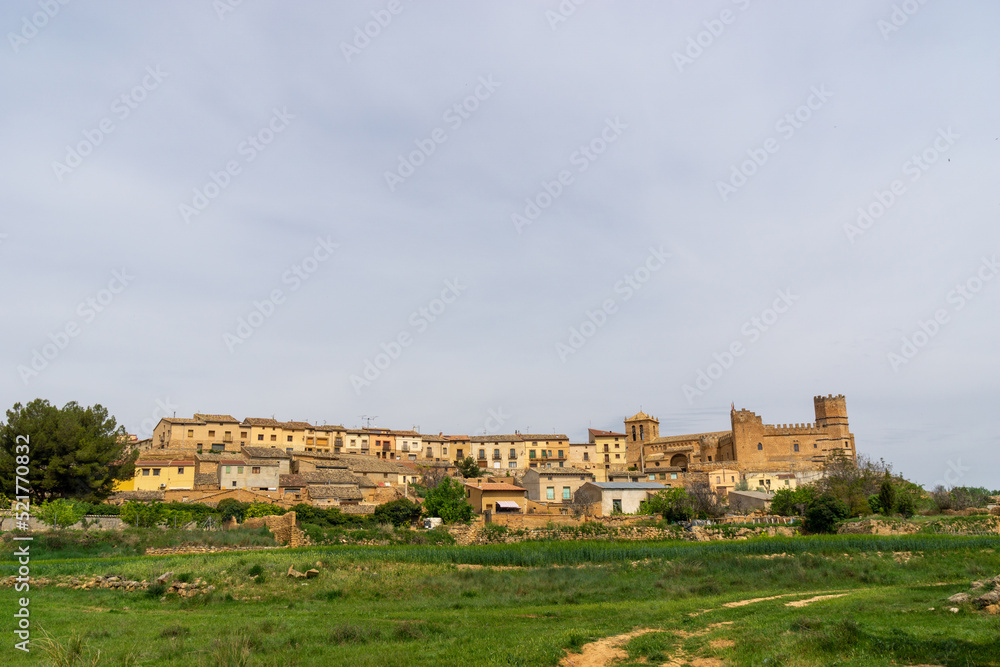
497, 457
227, 438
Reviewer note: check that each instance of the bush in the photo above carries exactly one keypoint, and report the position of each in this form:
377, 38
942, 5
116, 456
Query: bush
141, 515
60, 513
824, 513
231, 508
447, 501
671, 504
400, 512
263, 509
887, 496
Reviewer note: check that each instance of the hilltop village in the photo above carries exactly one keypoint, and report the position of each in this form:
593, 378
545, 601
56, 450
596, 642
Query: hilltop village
210, 457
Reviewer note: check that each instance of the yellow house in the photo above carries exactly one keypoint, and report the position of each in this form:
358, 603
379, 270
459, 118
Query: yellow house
611, 450
724, 480
163, 474
545, 450
770, 481
499, 452
263, 432
496, 497
203, 432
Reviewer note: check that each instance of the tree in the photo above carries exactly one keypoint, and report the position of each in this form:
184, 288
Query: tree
400, 512
787, 502
704, 501
72, 452
433, 476
468, 467
887, 496
230, 507
448, 502
852, 482
60, 513
263, 509
671, 504
141, 515
824, 513
905, 504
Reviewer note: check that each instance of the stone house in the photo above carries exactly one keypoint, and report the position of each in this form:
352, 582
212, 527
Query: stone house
554, 484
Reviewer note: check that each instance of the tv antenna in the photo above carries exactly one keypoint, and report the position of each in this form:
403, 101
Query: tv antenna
368, 419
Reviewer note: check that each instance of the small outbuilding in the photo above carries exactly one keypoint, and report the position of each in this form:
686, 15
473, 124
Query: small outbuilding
616, 497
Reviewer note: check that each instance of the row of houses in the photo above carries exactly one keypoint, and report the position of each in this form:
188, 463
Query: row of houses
219, 434
266, 474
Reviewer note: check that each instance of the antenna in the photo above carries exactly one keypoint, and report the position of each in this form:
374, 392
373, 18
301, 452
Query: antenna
368, 419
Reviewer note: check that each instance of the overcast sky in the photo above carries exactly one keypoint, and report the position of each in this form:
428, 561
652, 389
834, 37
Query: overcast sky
469, 216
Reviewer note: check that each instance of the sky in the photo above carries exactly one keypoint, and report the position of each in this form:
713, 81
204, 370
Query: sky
469, 217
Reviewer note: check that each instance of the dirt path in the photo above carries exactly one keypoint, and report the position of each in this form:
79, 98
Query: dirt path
603, 651
804, 603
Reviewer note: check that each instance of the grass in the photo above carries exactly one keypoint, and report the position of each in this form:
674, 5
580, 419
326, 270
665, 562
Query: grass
528, 603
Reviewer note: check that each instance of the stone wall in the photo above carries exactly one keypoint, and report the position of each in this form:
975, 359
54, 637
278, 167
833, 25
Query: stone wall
282, 527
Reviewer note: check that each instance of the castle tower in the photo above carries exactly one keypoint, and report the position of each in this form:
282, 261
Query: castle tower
748, 436
831, 417
640, 428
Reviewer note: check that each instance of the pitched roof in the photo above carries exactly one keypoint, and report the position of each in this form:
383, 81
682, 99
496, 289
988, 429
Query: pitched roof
266, 452
639, 416
181, 420
543, 436
455, 437
328, 476
291, 480
362, 463
405, 434
365, 482
596, 433
683, 438
432, 438
261, 421
296, 426
560, 471
512, 437
225, 419
330, 427
496, 486
138, 495
340, 492
628, 485
164, 462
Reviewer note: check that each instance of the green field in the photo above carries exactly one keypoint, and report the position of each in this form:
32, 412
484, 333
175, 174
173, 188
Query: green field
528, 603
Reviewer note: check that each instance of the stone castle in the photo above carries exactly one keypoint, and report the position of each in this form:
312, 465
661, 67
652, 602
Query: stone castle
749, 444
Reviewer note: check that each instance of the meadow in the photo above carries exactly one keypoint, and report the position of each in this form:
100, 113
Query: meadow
530, 603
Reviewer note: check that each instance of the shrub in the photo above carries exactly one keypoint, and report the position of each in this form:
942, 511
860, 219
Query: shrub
400, 512
141, 515
263, 509
60, 513
824, 513
671, 504
447, 501
887, 496
231, 508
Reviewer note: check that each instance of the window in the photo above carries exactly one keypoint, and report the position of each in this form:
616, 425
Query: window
458, 453
260, 436
482, 453
274, 438
288, 438
760, 446
786, 482
243, 434
673, 475
352, 442
652, 476
229, 469
512, 464
531, 454
239, 469
211, 434
641, 435
814, 445
717, 479
145, 472
218, 447
190, 432
633, 432
663, 475
616, 505
710, 459
795, 446
234, 482
560, 453
565, 493
156, 472
618, 456
732, 478
444, 451
180, 471
550, 493
255, 470
513, 454
496, 453
586, 456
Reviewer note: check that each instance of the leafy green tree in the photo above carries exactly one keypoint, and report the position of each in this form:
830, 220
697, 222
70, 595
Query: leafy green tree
887, 496
448, 502
852, 482
824, 513
141, 515
60, 513
788, 502
874, 504
263, 509
73, 451
230, 507
468, 467
906, 504
671, 504
400, 512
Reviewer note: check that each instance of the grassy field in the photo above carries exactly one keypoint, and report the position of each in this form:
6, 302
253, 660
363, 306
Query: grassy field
530, 603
